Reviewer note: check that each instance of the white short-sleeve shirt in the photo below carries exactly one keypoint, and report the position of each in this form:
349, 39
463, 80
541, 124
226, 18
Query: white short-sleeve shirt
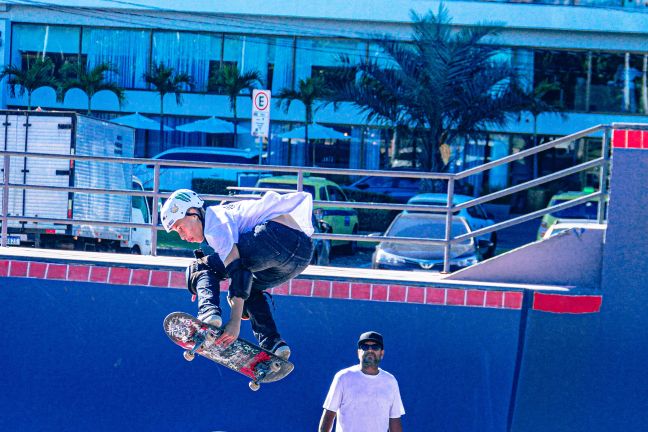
224, 223
364, 402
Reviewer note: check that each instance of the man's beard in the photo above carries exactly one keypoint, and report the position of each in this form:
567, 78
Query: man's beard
370, 360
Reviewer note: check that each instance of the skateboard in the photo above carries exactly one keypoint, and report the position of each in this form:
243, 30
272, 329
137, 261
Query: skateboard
196, 337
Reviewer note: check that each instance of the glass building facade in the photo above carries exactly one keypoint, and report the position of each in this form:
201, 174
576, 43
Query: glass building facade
583, 81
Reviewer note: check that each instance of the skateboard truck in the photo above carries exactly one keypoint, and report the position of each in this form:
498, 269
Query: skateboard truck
199, 339
261, 370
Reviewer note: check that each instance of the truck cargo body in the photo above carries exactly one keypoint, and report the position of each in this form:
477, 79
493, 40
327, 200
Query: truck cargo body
65, 133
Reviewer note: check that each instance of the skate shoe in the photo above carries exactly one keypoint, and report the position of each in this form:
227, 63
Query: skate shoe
213, 320
281, 349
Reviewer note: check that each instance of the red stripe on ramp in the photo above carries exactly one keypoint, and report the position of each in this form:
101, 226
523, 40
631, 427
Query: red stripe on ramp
558, 303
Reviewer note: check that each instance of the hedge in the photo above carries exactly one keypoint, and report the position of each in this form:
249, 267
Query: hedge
372, 220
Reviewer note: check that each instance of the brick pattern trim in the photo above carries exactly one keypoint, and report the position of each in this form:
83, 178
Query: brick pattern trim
319, 288
629, 139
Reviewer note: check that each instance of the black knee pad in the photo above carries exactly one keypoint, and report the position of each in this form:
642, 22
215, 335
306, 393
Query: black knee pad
208, 265
240, 280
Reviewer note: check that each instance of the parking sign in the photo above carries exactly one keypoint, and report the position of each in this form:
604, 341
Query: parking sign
260, 113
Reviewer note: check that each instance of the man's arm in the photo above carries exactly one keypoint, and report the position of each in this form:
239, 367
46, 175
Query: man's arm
326, 422
395, 425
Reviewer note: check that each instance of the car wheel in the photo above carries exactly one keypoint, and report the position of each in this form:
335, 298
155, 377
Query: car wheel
352, 247
490, 253
323, 258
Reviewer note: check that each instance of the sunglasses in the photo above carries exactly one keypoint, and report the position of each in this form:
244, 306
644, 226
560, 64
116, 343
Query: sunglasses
373, 347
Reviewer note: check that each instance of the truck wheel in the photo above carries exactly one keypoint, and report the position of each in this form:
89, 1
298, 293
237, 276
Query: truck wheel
135, 250
352, 247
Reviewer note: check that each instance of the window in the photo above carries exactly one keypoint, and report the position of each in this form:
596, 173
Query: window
191, 53
477, 212
568, 71
125, 50
140, 203
59, 43
28, 58
335, 194
322, 57
606, 92
588, 210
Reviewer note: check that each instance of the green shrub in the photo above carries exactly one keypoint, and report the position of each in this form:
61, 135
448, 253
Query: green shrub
212, 187
372, 220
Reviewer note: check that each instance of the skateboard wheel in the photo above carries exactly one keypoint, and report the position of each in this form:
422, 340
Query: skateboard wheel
254, 386
275, 366
188, 355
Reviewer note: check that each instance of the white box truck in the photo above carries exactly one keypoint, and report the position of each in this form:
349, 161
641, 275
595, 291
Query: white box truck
67, 133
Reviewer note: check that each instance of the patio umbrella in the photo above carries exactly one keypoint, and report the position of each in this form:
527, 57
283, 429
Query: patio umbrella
315, 131
212, 125
138, 121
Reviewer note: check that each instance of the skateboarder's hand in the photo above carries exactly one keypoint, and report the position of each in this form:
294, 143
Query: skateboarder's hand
230, 333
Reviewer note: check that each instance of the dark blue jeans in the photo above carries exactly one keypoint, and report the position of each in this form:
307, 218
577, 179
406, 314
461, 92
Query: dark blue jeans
274, 254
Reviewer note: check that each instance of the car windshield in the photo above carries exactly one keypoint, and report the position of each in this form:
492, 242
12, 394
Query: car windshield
210, 157
286, 186
588, 210
429, 228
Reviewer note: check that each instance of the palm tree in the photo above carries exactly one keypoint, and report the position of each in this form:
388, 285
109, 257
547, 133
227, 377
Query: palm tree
310, 90
443, 85
76, 75
533, 102
38, 74
166, 80
228, 80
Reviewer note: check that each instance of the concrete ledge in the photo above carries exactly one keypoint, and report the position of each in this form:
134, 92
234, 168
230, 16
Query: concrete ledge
322, 282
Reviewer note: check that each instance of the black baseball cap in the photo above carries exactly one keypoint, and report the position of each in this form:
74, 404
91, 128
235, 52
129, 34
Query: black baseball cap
371, 336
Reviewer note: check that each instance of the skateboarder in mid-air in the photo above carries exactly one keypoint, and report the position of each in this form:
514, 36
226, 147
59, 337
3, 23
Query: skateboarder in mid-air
258, 244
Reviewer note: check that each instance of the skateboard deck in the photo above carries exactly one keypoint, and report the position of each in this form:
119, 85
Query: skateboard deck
196, 337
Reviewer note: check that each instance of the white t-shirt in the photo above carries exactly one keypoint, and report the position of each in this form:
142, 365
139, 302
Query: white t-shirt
364, 403
224, 223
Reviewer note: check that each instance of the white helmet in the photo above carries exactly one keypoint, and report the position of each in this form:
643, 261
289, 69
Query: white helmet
176, 206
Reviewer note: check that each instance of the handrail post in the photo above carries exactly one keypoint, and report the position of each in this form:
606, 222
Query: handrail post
603, 175
5, 202
300, 180
154, 204
448, 228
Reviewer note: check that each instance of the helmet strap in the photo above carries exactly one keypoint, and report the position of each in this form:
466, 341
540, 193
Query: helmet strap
200, 214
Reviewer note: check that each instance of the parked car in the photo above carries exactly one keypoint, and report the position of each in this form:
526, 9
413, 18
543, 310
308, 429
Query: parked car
403, 256
342, 220
476, 216
174, 177
399, 188
576, 224
584, 211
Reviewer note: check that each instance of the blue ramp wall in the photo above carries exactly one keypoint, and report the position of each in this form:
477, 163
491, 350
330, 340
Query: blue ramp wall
588, 373
87, 356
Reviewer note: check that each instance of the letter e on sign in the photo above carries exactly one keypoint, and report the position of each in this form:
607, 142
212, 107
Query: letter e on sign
260, 113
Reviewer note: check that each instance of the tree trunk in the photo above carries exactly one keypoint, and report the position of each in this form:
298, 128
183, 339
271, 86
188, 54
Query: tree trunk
161, 123
306, 143
535, 143
235, 122
309, 118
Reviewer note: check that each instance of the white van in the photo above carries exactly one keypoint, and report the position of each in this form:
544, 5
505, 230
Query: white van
173, 178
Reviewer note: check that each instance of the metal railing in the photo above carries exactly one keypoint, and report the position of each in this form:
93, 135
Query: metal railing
450, 208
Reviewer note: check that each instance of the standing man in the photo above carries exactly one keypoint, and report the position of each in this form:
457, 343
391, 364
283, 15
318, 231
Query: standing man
364, 397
